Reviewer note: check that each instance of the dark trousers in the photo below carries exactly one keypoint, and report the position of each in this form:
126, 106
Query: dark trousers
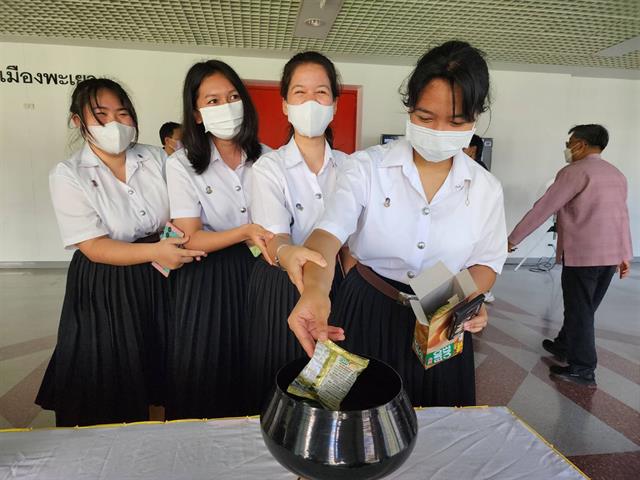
583, 289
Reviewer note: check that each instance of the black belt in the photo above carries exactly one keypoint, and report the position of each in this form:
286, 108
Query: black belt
150, 239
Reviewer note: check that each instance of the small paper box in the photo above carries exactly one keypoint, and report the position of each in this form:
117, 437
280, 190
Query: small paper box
433, 288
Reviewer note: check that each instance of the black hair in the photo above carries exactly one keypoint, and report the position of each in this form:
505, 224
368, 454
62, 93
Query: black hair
86, 94
167, 129
317, 58
476, 141
595, 135
461, 65
194, 137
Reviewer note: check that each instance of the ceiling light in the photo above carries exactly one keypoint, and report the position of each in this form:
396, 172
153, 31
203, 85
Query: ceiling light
314, 22
315, 18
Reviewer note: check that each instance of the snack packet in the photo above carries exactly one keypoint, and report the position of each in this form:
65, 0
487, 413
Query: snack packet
329, 375
169, 231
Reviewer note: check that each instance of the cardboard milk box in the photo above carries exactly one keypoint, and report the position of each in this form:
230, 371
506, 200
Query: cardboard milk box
434, 288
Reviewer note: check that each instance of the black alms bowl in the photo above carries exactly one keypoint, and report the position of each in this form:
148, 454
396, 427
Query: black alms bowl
369, 438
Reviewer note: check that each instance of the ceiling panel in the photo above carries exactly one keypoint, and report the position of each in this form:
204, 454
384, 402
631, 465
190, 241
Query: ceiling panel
548, 32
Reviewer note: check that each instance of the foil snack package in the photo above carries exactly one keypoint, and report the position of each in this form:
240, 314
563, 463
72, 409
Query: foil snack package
329, 375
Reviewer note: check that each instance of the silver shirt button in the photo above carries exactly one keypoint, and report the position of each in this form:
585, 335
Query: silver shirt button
243, 210
426, 211
411, 274
130, 192
299, 206
238, 188
143, 213
421, 245
208, 189
318, 196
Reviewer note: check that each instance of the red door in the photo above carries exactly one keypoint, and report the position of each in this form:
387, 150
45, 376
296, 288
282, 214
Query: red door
273, 129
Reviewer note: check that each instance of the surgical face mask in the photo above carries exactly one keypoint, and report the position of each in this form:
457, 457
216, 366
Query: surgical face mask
437, 145
223, 121
310, 118
174, 145
113, 137
568, 155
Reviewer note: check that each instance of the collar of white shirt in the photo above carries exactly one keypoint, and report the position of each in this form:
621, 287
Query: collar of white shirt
215, 155
293, 157
400, 154
88, 157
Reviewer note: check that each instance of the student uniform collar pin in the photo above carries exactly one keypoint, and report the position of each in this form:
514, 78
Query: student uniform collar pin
467, 184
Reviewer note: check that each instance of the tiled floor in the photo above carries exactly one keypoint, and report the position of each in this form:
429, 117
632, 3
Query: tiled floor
598, 430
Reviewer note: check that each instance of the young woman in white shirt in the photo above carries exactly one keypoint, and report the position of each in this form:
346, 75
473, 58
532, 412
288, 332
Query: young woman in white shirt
290, 188
405, 206
110, 200
209, 192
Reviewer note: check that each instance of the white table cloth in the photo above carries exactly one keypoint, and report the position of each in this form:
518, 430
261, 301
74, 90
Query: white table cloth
468, 443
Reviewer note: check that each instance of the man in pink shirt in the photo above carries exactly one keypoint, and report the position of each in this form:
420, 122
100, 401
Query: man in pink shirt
594, 240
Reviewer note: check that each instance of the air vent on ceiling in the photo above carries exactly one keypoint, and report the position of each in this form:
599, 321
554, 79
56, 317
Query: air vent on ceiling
622, 48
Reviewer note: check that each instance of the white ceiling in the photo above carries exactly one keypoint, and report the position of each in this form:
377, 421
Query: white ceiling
543, 32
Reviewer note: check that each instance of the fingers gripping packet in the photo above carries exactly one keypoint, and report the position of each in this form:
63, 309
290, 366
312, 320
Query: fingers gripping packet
169, 231
329, 375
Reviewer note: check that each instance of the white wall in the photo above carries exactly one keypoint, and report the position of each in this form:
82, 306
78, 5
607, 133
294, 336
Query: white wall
530, 116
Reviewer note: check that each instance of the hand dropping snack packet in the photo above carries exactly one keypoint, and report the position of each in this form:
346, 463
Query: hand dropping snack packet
329, 375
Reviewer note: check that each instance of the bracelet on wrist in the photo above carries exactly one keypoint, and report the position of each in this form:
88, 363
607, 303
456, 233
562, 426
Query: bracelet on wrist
277, 256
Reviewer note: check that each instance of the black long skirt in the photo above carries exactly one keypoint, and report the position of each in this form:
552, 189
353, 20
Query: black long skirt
270, 343
108, 364
205, 355
377, 326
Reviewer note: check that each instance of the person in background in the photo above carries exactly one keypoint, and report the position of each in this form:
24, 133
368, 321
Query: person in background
171, 137
209, 184
404, 207
291, 186
110, 200
594, 240
474, 151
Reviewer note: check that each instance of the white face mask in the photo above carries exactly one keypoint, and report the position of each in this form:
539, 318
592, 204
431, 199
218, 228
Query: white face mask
568, 156
223, 121
437, 145
310, 118
174, 145
113, 137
